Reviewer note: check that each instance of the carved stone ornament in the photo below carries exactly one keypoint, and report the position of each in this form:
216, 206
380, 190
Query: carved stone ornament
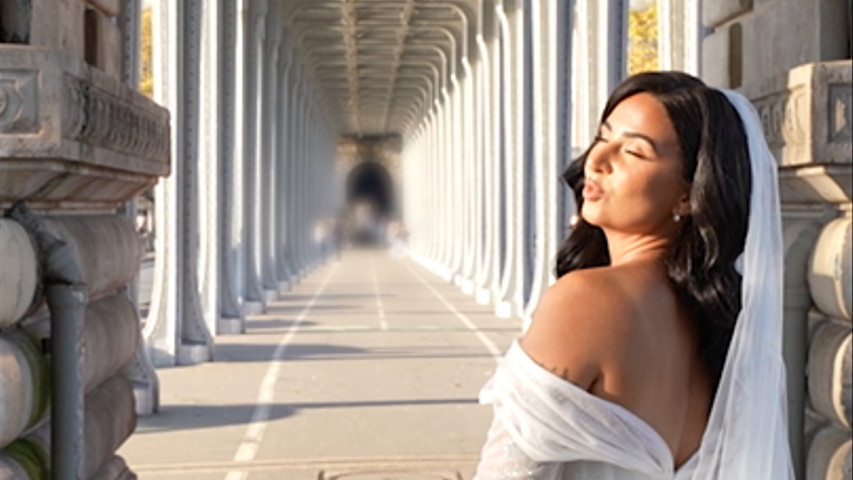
806, 116
73, 137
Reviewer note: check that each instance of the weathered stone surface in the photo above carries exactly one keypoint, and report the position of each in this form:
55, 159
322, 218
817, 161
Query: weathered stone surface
114, 469
829, 371
806, 116
829, 455
111, 335
23, 381
719, 11
106, 247
716, 58
20, 272
109, 46
106, 7
58, 24
73, 137
830, 273
109, 420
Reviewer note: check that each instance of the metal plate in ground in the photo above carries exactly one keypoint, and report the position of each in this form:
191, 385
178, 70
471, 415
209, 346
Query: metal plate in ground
391, 475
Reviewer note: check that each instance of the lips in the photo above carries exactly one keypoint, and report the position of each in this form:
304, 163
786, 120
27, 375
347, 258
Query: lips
591, 190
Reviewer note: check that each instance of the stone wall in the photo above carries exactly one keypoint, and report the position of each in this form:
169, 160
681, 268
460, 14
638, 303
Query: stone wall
784, 56
76, 142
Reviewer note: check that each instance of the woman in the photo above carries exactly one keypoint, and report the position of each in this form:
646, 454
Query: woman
657, 353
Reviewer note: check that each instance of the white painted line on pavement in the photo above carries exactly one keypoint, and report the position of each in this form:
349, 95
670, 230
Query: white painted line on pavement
383, 324
497, 354
255, 431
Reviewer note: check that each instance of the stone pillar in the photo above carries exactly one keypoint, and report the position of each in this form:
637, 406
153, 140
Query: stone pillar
230, 174
599, 66
253, 296
282, 160
209, 163
486, 164
510, 301
806, 110
175, 330
550, 54
290, 175
266, 173
679, 25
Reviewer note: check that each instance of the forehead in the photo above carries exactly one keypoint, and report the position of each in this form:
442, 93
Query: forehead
643, 113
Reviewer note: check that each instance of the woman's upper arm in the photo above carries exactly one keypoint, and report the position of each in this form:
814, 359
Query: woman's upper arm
573, 327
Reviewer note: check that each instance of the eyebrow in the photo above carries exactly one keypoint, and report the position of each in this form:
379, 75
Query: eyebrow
639, 135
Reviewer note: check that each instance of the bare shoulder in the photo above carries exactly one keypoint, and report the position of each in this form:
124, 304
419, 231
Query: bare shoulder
578, 320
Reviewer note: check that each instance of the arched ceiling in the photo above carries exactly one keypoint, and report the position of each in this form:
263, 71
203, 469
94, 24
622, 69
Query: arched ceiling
379, 65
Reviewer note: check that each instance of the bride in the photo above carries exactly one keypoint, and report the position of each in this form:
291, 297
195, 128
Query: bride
657, 353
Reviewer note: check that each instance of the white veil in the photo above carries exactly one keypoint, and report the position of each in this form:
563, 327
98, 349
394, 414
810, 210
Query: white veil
747, 433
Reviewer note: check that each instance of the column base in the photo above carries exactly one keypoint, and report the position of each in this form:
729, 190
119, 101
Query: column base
194, 353
467, 287
483, 296
252, 307
147, 398
503, 309
230, 326
270, 296
283, 287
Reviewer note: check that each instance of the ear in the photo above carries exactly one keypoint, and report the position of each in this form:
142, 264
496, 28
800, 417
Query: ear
683, 205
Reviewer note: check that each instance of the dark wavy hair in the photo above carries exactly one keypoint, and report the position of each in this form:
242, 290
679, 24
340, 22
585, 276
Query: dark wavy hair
715, 163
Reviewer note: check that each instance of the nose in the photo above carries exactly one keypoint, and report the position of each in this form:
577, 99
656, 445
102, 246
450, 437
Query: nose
598, 159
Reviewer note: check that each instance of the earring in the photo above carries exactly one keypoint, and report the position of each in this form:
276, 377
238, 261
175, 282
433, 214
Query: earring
676, 217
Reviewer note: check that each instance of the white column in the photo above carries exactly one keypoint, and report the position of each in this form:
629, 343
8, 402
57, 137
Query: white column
253, 297
267, 166
283, 139
679, 37
209, 167
483, 174
550, 21
175, 330
231, 191
511, 292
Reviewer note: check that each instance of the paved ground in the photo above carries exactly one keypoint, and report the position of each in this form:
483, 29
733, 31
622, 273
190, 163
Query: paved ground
368, 369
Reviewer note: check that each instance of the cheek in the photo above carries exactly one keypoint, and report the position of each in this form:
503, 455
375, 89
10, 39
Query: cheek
655, 190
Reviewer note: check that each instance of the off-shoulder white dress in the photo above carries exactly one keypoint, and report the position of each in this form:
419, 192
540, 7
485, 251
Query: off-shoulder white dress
546, 428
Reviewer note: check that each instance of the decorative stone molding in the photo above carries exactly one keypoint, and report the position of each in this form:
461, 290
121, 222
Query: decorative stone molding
73, 137
806, 114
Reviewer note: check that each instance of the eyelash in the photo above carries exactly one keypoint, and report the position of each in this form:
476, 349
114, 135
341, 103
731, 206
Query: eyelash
600, 139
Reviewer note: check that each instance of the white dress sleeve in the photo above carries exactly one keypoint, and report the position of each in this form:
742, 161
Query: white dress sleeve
542, 422
502, 459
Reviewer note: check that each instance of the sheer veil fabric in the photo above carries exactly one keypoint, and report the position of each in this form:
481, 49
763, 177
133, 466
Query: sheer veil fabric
541, 422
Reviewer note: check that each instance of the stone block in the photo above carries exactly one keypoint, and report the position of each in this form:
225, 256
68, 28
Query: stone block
73, 137
24, 383
721, 57
108, 46
20, 272
58, 24
109, 419
109, 8
830, 273
829, 456
829, 372
806, 117
717, 12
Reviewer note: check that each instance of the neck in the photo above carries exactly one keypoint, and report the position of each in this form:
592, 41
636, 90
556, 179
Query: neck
627, 248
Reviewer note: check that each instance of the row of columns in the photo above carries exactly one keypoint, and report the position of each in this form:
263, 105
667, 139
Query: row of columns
483, 195
251, 156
